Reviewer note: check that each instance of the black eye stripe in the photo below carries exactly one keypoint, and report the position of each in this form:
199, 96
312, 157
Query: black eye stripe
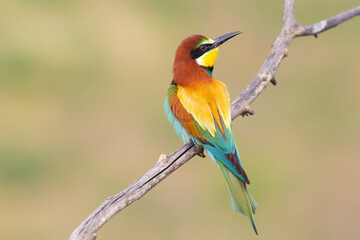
200, 50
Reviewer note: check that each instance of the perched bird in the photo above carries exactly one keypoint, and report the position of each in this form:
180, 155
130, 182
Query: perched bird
198, 107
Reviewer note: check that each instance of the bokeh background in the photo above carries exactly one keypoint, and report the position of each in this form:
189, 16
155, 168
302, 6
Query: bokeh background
82, 85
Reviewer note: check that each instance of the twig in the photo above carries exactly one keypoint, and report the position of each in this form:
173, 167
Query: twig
241, 106
327, 23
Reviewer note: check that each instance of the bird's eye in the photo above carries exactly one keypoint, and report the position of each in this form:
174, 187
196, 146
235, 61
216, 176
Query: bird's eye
202, 47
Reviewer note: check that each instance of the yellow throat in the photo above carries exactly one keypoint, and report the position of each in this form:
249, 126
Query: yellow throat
208, 59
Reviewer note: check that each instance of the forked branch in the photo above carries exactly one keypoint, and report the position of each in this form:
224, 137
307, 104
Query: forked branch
241, 106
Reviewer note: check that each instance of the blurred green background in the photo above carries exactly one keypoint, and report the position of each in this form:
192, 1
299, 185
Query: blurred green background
82, 85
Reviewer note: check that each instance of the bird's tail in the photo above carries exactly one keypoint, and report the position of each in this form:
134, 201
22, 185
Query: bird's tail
241, 199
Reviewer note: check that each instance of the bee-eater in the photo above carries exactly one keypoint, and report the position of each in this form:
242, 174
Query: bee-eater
198, 107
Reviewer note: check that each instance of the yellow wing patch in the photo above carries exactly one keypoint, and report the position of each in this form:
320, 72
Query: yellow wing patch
207, 104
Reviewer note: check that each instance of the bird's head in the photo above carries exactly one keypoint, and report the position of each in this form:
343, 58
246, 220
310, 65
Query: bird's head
201, 49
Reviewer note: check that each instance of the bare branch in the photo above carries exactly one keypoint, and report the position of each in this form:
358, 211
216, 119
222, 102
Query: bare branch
271, 64
288, 14
241, 106
112, 205
327, 23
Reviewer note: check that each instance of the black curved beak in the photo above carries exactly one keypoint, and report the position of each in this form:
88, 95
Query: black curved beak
220, 40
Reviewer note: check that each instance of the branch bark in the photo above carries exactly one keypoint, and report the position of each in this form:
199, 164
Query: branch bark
241, 106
